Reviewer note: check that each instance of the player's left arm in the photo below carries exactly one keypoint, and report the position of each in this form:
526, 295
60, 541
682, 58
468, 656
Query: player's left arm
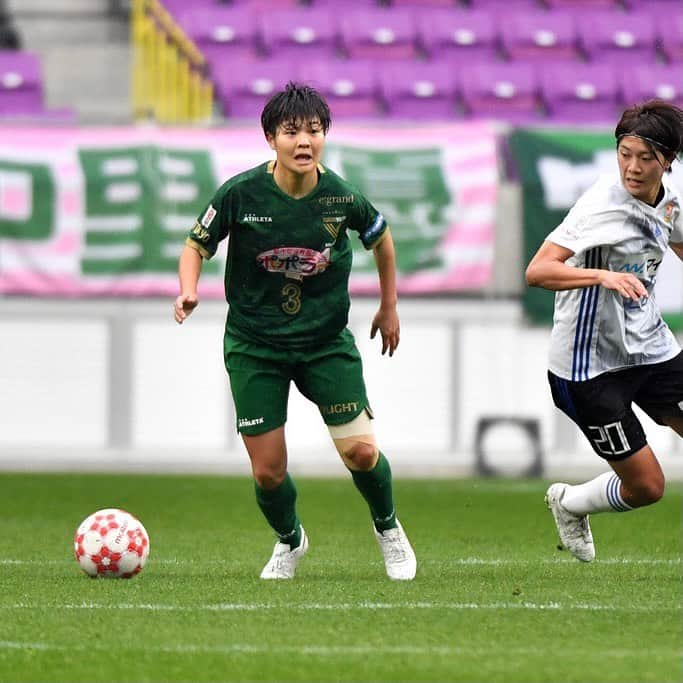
386, 318
677, 248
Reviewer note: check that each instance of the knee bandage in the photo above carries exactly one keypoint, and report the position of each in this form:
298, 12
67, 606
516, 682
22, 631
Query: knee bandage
359, 430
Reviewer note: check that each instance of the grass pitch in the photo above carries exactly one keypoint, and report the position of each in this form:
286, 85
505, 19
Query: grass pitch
494, 600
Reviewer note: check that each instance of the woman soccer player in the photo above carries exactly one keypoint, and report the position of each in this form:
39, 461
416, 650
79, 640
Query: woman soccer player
609, 346
286, 282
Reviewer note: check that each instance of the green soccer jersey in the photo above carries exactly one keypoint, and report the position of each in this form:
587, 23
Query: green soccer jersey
289, 260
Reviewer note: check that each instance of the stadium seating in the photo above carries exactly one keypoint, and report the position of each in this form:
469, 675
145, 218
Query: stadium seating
647, 81
505, 7
350, 87
655, 7
453, 58
419, 91
425, 4
308, 34
243, 92
670, 35
222, 34
583, 5
460, 36
619, 38
379, 33
21, 83
540, 36
345, 5
506, 91
580, 93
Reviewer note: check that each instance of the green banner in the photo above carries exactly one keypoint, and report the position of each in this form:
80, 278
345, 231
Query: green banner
555, 168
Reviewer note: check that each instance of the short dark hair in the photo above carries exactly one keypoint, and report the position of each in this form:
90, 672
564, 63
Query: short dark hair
658, 123
296, 103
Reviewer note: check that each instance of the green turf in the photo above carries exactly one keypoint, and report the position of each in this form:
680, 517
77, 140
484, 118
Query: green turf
494, 600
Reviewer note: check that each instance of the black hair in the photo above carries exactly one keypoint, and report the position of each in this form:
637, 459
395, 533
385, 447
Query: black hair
295, 104
658, 123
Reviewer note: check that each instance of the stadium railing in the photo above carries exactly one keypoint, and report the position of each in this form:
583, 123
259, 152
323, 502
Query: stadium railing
170, 82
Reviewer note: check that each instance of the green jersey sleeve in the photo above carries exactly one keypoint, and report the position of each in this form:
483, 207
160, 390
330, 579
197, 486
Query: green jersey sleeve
213, 223
368, 222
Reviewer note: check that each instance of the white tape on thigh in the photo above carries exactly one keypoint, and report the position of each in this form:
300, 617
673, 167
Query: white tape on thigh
361, 425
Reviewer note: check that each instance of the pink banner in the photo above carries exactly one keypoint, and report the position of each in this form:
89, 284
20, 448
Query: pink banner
103, 211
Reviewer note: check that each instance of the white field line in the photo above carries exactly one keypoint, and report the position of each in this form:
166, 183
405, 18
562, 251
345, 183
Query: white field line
320, 650
494, 562
344, 607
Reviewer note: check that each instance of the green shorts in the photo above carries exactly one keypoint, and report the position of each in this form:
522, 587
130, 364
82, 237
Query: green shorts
330, 376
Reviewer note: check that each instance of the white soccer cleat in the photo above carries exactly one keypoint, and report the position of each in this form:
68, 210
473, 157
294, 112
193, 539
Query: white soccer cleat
399, 558
282, 563
574, 530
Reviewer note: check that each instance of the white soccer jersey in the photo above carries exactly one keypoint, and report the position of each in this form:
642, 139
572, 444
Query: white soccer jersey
596, 330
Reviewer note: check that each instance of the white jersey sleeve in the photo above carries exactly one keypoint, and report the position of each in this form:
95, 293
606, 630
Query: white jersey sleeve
591, 221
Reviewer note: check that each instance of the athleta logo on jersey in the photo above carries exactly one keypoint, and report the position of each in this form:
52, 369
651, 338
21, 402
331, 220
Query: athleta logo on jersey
253, 218
294, 261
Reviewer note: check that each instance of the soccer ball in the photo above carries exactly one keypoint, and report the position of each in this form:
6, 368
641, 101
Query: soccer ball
111, 543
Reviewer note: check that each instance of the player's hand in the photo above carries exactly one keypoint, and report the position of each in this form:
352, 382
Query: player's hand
626, 284
183, 306
386, 321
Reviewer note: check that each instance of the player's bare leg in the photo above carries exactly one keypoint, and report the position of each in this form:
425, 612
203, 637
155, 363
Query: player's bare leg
276, 496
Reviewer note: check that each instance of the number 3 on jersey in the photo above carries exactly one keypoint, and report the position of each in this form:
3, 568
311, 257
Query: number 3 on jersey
292, 298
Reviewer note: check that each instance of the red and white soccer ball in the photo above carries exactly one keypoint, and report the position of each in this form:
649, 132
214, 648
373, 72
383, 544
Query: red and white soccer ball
111, 543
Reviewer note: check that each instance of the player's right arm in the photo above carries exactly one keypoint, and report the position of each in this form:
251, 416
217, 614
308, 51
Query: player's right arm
189, 269
548, 269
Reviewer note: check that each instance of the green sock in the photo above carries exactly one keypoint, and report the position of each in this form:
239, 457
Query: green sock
278, 506
375, 487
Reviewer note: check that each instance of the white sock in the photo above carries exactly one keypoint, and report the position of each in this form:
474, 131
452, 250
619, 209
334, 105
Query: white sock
601, 494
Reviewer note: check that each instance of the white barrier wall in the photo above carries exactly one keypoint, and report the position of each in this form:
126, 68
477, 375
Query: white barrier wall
117, 385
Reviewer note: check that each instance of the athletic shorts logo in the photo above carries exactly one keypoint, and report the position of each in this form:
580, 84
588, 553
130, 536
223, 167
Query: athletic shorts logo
339, 408
208, 216
244, 422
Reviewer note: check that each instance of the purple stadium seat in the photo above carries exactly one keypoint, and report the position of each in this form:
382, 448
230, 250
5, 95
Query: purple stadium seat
419, 90
581, 93
459, 35
244, 91
669, 28
654, 7
267, 5
176, 7
350, 87
505, 7
581, 5
21, 83
424, 4
504, 91
379, 33
222, 34
618, 37
540, 36
306, 33
645, 82
345, 4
